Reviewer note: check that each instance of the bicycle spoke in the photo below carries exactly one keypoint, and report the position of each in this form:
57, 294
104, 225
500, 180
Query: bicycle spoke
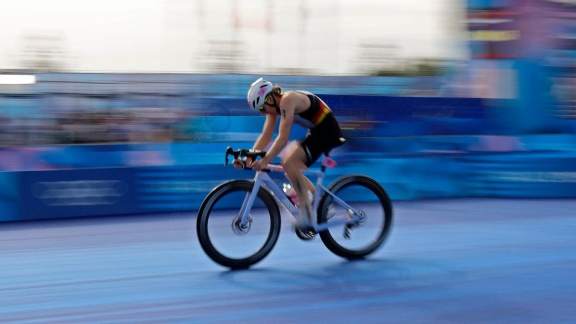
366, 223
227, 239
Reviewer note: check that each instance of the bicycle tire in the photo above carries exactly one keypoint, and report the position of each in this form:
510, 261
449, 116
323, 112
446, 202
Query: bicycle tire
221, 206
363, 193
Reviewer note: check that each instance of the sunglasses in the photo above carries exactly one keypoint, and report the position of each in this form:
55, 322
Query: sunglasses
261, 108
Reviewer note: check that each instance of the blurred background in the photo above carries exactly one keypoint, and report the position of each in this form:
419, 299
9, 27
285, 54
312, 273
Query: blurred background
110, 108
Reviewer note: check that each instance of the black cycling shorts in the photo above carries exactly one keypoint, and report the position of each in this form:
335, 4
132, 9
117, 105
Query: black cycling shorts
322, 139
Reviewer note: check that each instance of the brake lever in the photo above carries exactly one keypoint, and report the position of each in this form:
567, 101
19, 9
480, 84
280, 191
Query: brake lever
228, 151
242, 153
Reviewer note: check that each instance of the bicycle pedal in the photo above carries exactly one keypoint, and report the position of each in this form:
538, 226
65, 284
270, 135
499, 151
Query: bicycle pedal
305, 234
305, 228
346, 233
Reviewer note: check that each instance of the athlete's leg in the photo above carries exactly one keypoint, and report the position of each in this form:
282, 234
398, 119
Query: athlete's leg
294, 162
294, 145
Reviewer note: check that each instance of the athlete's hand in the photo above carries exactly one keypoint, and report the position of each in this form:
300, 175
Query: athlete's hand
259, 165
238, 164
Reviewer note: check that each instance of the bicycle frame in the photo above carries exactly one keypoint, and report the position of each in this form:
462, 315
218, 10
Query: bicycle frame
225, 243
263, 178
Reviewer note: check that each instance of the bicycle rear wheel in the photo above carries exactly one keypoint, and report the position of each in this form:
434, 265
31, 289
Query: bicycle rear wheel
219, 231
355, 241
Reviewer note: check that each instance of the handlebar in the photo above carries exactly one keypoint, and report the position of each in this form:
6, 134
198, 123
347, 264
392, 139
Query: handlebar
254, 154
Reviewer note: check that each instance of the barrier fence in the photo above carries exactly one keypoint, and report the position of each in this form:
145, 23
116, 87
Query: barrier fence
416, 147
439, 168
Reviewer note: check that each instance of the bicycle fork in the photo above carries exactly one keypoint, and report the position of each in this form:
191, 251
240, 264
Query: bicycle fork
247, 204
260, 179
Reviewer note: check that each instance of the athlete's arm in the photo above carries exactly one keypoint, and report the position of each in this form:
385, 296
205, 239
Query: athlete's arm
286, 120
267, 131
262, 141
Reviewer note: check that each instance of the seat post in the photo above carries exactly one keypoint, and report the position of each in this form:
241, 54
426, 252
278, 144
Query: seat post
323, 167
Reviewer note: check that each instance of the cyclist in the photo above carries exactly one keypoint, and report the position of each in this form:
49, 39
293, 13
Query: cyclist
306, 110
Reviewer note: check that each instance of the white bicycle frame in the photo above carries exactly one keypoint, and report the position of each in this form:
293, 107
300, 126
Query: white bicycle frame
262, 178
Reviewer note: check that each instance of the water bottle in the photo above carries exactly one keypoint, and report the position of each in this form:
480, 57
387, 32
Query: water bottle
291, 194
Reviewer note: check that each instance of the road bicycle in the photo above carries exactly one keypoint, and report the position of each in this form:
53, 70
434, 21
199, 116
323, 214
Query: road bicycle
239, 221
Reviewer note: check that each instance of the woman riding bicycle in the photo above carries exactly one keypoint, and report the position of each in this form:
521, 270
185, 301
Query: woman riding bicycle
306, 110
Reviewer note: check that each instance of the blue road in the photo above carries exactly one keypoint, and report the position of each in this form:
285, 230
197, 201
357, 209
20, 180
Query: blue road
446, 261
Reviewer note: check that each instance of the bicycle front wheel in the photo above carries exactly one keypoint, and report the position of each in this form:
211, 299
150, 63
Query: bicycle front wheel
224, 238
355, 240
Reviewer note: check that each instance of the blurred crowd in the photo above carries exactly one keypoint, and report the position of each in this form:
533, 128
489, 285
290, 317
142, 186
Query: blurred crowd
86, 111
99, 126
64, 109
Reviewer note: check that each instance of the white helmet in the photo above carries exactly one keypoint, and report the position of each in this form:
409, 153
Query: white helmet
257, 93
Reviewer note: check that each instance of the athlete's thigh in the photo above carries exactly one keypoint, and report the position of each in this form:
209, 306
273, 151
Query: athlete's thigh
294, 154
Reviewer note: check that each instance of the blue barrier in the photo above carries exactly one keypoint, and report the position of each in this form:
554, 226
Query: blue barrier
545, 174
77, 193
430, 168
